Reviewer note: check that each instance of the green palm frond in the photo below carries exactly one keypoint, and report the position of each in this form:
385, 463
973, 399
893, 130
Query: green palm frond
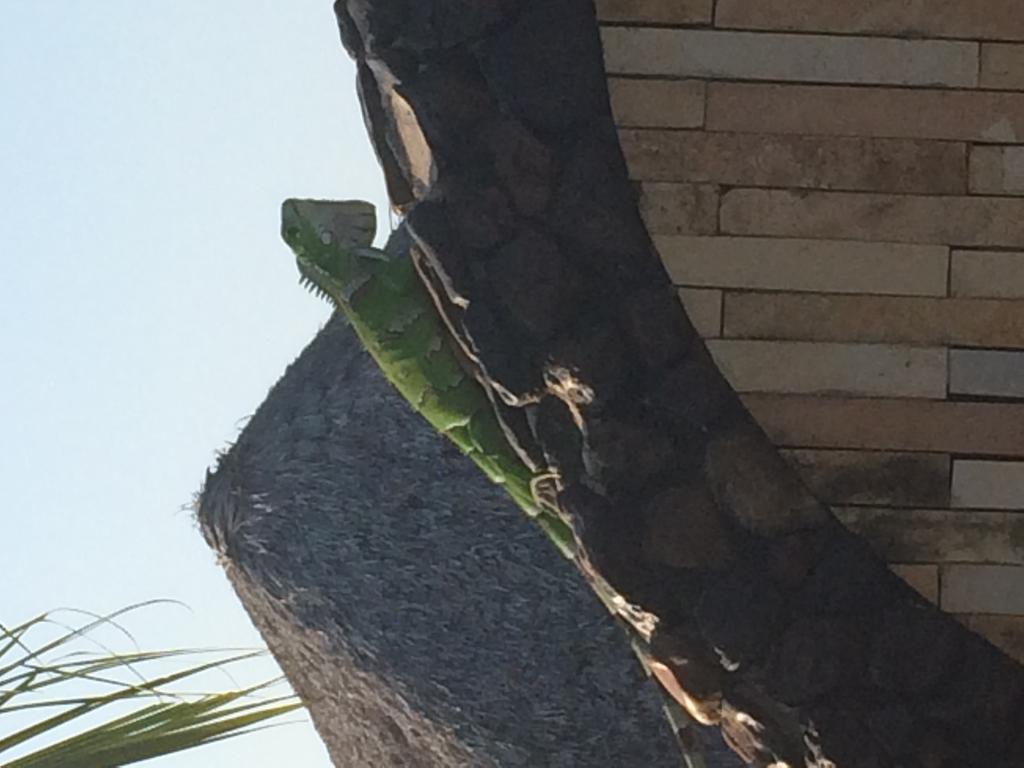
65, 687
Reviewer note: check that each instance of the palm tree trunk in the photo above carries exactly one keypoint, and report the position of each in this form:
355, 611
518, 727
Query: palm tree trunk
763, 614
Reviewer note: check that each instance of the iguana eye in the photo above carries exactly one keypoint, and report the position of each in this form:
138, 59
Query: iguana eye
326, 237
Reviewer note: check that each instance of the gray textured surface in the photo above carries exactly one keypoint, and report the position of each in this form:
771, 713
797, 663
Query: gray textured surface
423, 620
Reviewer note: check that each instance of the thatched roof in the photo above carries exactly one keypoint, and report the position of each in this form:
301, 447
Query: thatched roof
420, 617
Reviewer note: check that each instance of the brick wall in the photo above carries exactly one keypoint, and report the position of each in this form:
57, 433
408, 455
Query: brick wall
838, 190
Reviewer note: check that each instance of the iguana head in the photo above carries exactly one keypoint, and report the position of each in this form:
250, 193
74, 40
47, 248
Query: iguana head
330, 240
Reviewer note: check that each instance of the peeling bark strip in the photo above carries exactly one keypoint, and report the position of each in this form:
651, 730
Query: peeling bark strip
492, 123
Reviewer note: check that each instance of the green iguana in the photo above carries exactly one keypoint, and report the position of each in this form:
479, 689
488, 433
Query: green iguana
394, 315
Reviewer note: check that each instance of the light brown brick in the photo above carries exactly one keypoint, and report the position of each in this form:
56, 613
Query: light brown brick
939, 535
704, 308
874, 477
679, 209
997, 170
722, 55
966, 221
657, 103
972, 19
835, 266
971, 115
986, 373
923, 578
813, 162
983, 589
1002, 66
811, 368
655, 11
983, 429
988, 484
875, 319
1004, 632
999, 274
985, 169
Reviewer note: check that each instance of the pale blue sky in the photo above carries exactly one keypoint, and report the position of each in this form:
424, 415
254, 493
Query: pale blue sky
146, 301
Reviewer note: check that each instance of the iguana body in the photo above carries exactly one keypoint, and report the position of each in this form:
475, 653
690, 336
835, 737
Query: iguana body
394, 316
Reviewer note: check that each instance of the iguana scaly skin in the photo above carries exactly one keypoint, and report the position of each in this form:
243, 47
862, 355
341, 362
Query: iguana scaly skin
394, 316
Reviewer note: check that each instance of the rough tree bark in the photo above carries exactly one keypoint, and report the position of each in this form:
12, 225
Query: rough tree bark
422, 619
492, 123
